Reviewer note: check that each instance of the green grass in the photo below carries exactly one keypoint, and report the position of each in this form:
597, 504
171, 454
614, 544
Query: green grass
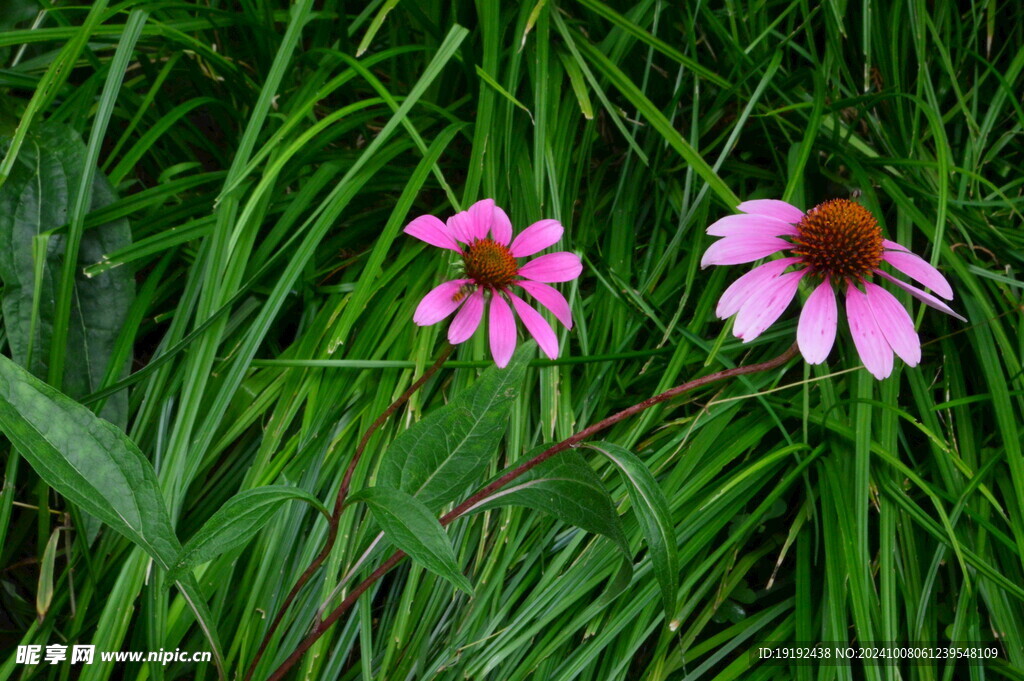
267, 155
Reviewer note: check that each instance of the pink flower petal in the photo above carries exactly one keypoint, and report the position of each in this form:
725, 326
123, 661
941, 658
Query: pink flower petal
433, 231
550, 298
503, 331
460, 227
553, 267
501, 227
816, 331
895, 324
751, 225
468, 318
741, 289
871, 345
893, 246
773, 208
919, 270
439, 303
735, 250
536, 325
536, 237
926, 298
481, 217
766, 305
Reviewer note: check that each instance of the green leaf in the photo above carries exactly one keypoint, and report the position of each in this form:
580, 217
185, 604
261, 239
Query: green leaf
579, 84
86, 459
410, 526
566, 487
655, 519
236, 522
375, 25
654, 116
489, 79
34, 206
15, 12
91, 463
44, 594
439, 457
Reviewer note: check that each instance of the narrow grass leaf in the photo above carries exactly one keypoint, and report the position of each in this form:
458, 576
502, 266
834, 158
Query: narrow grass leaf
44, 593
82, 198
655, 117
487, 78
51, 82
375, 25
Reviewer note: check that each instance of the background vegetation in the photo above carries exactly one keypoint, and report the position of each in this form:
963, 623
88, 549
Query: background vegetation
200, 240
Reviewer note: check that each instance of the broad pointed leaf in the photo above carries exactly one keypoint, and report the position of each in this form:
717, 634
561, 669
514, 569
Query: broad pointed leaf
447, 452
655, 519
566, 487
410, 526
35, 201
91, 463
236, 522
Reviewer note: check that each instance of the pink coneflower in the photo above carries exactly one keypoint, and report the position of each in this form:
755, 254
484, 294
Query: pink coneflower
491, 270
837, 243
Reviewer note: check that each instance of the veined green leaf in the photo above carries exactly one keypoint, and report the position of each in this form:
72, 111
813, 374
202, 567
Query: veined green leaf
91, 463
442, 455
87, 460
34, 203
410, 526
566, 487
236, 522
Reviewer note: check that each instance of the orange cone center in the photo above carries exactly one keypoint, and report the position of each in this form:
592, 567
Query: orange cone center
839, 238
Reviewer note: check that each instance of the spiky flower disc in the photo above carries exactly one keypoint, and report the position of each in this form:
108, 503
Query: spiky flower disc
841, 239
490, 264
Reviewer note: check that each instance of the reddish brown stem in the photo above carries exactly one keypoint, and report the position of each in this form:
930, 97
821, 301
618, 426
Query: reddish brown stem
339, 504
325, 624
610, 421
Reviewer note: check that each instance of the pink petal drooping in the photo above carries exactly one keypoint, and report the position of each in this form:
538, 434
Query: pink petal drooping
549, 297
766, 305
503, 331
439, 303
871, 345
536, 325
816, 332
468, 318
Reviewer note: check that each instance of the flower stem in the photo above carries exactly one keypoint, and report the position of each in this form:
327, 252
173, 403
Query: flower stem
339, 504
322, 626
573, 440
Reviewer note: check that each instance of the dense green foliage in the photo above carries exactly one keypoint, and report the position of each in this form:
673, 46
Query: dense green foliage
200, 224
